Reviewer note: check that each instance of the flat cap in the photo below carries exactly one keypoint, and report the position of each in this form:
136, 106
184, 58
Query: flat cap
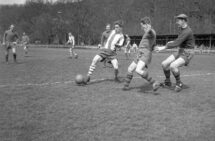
182, 16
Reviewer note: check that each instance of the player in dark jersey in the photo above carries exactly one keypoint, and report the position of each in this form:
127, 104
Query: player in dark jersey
144, 55
104, 38
10, 42
184, 41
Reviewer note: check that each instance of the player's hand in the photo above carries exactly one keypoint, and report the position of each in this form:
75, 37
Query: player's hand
3, 43
159, 48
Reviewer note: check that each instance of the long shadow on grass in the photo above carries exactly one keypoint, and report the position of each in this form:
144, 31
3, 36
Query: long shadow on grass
146, 89
121, 80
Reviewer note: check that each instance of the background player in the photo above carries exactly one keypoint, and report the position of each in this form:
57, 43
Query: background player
182, 57
10, 42
134, 47
114, 40
105, 35
25, 42
144, 55
127, 46
71, 42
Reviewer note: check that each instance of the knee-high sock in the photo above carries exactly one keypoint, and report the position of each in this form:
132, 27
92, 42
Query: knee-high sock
6, 57
116, 72
14, 56
128, 79
167, 74
91, 70
177, 76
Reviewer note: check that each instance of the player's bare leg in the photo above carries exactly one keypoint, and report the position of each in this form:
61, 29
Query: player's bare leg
25, 49
142, 71
129, 76
14, 53
115, 64
166, 69
6, 55
174, 67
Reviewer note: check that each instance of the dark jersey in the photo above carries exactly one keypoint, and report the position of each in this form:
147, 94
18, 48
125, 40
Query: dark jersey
185, 39
104, 37
148, 40
10, 36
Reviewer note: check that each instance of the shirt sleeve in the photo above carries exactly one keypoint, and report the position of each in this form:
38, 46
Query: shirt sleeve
181, 38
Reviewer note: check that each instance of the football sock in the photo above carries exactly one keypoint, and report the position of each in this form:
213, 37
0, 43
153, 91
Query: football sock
14, 56
177, 77
167, 74
91, 69
128, 79
6, 58
116, 72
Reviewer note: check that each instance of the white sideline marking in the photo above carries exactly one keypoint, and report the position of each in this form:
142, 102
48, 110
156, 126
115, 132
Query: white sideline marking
94, 80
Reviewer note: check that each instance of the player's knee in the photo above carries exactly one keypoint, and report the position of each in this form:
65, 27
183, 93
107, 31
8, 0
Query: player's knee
143, 74
173, 67
164, 65
139, 71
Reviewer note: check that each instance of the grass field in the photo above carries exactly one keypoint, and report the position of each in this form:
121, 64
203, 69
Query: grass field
39, 101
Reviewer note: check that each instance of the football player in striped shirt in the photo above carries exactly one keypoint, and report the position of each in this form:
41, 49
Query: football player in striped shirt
108, 52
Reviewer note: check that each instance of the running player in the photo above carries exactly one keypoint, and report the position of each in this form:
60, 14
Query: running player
115, 40
127, 46
144, 55
10, 42
71, 42
182, 57
25, 42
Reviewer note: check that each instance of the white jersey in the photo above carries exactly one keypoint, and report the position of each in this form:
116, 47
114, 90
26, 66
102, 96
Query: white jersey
71, 40
113, 40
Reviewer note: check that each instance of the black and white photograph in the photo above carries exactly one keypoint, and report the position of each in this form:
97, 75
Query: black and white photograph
107, 70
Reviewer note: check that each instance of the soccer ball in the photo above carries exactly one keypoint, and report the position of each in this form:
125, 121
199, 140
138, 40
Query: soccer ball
79, 79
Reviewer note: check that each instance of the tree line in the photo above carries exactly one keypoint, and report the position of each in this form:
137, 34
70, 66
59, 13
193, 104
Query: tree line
49, 22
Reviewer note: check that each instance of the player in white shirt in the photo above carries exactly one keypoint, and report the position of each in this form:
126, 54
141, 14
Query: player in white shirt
108, 53
71, 42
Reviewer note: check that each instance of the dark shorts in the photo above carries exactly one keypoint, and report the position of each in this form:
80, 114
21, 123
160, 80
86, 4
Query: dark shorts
107, 55
144, 55
9, 45
181, 53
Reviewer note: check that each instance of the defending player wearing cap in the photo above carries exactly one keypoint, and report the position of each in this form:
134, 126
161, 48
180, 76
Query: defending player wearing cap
143, 56
182, 57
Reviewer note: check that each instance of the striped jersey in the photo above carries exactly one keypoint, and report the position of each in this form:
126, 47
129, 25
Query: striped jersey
114, 40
